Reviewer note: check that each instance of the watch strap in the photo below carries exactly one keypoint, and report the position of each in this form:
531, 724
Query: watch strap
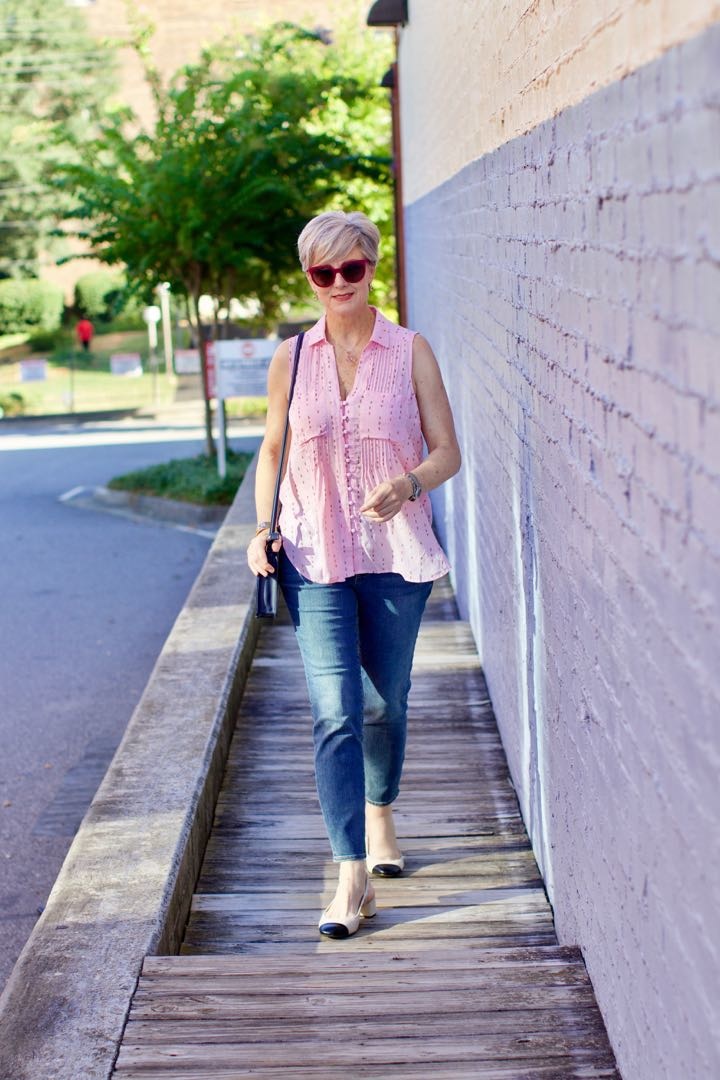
416, 487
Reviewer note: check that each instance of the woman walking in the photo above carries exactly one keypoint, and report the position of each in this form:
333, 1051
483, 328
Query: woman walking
358, 555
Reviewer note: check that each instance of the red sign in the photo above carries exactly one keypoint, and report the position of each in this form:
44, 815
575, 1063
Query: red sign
210, 369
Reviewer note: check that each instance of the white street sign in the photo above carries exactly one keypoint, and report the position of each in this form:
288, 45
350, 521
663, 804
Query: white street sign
187, 361
126, 364
242, 365
33, 370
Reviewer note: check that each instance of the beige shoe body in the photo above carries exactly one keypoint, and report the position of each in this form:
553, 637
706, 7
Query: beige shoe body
343, 928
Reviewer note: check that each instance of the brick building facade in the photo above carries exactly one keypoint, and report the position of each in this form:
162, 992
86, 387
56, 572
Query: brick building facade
183, 28
562, 210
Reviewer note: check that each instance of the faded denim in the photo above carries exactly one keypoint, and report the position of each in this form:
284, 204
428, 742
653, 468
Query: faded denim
357, 639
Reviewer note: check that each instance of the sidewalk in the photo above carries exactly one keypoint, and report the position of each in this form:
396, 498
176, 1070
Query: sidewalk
459, 975
173, 945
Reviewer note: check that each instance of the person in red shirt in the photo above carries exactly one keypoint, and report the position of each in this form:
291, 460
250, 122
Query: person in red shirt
85, 331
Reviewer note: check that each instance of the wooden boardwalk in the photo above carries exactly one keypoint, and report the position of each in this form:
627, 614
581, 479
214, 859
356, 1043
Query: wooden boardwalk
459, 975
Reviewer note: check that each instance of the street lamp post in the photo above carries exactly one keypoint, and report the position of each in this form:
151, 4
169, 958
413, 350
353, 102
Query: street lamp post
163, 292
152, 316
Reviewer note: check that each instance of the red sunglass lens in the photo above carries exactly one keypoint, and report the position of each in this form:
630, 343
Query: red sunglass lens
323, 276
352, 272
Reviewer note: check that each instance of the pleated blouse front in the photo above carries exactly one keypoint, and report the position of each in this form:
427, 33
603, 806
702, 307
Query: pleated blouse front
340, 450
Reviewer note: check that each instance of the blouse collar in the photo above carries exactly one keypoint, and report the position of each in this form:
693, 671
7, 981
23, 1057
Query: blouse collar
381, 333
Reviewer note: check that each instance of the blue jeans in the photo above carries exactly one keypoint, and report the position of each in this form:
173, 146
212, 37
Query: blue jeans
357, 639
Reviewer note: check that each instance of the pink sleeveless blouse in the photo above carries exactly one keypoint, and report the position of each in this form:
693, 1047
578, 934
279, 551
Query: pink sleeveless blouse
340, 450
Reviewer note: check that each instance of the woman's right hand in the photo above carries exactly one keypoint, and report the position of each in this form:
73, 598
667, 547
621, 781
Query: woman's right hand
256, 556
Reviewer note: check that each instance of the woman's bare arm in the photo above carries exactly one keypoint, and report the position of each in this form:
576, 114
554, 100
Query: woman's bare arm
269, 454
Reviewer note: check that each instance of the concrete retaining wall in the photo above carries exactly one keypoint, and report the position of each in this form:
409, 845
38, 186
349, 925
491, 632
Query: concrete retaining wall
125, 887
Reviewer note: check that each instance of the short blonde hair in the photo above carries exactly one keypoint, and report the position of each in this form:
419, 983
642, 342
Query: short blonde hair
332, 235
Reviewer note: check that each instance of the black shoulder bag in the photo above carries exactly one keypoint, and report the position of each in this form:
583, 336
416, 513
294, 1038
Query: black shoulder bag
266, 594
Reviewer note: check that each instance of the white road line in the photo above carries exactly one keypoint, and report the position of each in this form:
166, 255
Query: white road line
74, 440
71, 493
133, 515
67, 440
196, 532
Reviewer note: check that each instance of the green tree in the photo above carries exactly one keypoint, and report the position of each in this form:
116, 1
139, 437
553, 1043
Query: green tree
249, 143
54, 82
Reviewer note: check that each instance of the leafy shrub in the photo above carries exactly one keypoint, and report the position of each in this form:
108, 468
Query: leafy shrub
193, 480
29, 305
46, 341
129, 319
12, 404
101, 295
248, 408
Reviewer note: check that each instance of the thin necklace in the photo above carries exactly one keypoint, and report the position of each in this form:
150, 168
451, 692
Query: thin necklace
351, 355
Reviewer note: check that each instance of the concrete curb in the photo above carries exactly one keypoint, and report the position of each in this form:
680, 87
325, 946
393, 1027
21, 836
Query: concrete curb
155, 506
125, 887
73, 417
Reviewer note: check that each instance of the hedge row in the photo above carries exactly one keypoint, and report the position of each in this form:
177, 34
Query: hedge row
101, 295
26, 306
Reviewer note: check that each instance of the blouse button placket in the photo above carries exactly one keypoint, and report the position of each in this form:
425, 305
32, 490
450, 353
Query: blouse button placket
351, 449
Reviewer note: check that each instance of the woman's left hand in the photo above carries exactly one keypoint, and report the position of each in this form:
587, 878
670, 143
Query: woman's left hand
386, 499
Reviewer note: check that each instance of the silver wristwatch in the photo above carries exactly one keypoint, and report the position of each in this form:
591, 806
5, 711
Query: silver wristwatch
416, 486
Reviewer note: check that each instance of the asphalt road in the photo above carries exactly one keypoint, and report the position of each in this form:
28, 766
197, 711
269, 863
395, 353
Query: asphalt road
87, 599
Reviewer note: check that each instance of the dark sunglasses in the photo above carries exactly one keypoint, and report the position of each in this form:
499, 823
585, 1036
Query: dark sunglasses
351, 271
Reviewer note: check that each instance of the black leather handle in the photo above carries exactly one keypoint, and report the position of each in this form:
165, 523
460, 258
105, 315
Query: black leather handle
274, 534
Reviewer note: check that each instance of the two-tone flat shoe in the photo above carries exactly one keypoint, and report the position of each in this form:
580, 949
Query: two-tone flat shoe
346, 928
386, 868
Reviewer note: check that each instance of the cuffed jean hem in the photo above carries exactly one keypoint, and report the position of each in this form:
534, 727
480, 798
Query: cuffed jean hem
350, 858
371, 802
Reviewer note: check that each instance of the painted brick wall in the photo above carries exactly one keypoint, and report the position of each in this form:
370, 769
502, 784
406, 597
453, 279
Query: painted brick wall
570, 284
477, 73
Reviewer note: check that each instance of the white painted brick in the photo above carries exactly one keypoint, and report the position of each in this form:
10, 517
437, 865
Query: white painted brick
705, 495
662, 173
657, 284
694, 139
710, 438
707, 295
662, 224
634, 161
710, 213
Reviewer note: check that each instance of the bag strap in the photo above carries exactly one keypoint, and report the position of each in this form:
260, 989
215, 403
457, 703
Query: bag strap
274, 534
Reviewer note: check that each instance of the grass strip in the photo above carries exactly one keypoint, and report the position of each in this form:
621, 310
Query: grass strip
193, 480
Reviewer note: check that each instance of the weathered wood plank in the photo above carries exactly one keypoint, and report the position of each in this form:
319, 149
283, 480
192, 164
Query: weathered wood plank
389, 895
511, 1069
174, 1026
229, 975
536, 1049
206, 945
385, 1006
459, 975
556, 956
